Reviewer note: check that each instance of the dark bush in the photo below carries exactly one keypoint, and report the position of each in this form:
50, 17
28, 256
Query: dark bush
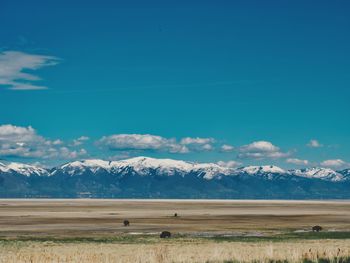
165, 234
316, 228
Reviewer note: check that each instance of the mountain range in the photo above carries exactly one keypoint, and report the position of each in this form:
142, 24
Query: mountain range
143, 177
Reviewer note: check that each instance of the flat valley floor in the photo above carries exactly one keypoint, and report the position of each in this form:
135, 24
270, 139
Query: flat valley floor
70, 230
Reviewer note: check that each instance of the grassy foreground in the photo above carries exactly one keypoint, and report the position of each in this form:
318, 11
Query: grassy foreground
300, 247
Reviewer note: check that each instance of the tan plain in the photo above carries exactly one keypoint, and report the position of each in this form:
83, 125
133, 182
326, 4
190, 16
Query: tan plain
103, 218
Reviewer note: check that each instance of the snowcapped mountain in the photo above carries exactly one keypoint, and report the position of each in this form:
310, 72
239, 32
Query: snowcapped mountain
143, 177
23, 169
168, 167
143, 166
320, 173
267, 172
165, 167
80, 167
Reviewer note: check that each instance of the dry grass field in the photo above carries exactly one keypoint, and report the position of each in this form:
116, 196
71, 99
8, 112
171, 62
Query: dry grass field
204, 231
300, 251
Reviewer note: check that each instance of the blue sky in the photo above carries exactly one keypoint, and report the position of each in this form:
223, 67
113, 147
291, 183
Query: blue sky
176, 79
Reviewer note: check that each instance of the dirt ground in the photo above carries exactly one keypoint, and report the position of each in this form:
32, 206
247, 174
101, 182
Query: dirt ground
96, 218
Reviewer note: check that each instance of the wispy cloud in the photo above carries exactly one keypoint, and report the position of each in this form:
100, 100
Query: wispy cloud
79, 141
229, 164
314, 144
227, 148
14, 67
335, 163
297, 161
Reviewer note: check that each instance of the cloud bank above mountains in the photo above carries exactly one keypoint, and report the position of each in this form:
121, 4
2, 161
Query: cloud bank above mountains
17, 142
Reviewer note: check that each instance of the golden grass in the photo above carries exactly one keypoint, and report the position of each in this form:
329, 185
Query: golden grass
167, 252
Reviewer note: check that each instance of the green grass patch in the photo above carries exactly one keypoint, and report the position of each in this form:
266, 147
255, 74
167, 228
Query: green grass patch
283, 237
127, 239
151, 239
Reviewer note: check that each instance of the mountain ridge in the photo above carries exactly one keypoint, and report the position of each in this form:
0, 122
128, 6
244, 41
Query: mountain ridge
144, 177
169, 166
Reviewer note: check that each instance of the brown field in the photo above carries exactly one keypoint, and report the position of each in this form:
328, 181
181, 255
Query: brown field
51, 230
60, 218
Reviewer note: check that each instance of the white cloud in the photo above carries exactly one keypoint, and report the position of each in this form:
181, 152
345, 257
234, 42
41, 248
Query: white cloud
260, 146
297, 161
229, 164
198, 144
314, 144
142, 142
189, 140
83, 138
80, 140
227, 148
261, 150
154, 142
17, 141
333, 163
14, 66
66, 153
57, 142
206, 147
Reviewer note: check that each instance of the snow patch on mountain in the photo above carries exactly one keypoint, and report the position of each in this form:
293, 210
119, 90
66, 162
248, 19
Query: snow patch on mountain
263, 169
4, 168
267, 172
346, 173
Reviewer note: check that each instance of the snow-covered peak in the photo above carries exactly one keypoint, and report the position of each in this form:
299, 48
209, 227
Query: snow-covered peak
262, 169
211, 170
24, 169
87, 163
319, 173
141, 163
4, 168
78, 167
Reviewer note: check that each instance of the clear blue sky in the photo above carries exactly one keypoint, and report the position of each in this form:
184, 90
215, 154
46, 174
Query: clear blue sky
235, 73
